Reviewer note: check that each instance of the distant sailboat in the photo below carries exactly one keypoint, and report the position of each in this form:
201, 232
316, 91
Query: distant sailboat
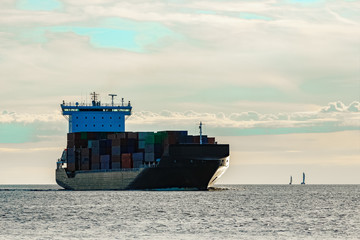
303, 182
290, 180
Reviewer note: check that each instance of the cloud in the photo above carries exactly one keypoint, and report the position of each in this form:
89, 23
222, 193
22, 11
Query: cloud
13, 117
354, 107
340, 107
334, 117
23, 127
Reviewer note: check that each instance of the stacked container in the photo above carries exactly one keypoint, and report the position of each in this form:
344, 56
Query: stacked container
85, 159
138, 159
126, 160
102, 150
116, 154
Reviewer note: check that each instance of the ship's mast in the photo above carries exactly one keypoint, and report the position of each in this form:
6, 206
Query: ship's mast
200, 127
112, 98
94, 98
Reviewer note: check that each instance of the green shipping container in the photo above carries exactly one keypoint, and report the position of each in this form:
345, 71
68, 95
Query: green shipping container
160, 137
150, 138
84, 135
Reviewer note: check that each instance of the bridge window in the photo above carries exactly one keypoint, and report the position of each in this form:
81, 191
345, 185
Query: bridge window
102, 118
85, 125
110, 125
110, 117
77, 125
85, 117
102, 125
94, 117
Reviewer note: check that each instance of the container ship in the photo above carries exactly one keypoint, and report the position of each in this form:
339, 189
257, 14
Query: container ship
101, 155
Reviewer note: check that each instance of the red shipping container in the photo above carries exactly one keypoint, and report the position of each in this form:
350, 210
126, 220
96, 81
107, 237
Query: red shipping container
126, 160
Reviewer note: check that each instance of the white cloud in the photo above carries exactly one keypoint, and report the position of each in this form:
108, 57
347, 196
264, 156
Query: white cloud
13, 117
338, 107
343, 116
354, 107
335, 114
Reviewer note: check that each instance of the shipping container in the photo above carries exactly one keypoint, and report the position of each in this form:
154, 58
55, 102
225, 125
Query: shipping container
105, 147
142, 135
149, 157
150, 138
116, 165
160, 137
95, 162
95, 146
132, 135
84, 135
115, 158
137, 164
126, 160
138, 159
105, 161
71, 167
116, 142
112, 136
138, 156
141, 144
95, 166
116, 150
85, 152
149, 148
85, 163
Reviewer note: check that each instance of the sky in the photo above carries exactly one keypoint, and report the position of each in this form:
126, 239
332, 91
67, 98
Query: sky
279, 80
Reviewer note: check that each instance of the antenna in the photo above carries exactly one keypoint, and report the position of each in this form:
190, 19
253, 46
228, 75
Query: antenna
112, 98
122, 101
94, 98
200, 127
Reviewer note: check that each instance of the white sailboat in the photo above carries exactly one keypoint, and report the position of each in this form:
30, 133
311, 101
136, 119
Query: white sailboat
303, 182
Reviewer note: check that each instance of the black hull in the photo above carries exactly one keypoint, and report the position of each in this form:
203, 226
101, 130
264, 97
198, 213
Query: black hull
192, 177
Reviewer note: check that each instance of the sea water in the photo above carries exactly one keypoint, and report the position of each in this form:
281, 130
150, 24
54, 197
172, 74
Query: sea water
226, 212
